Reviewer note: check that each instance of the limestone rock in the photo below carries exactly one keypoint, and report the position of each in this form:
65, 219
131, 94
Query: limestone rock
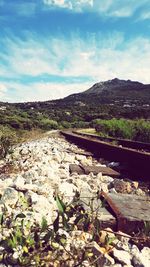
122, 256
19, 181
139, 192
135, 185
10, 197
122, 186
104, 187
142, 259
68, 190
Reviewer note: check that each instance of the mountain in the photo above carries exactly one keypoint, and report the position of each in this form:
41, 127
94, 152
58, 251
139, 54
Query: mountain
114, 84
104, 100
114, 90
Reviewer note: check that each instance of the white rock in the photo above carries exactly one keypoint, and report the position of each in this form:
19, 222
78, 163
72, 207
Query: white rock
4, 184
142, 259
139, 192
68, 190
80, 157
122, 246
99, 176
107, 179
19, 181
24, 151
104, 187
112, 190
122, 256
10, 197
134, 250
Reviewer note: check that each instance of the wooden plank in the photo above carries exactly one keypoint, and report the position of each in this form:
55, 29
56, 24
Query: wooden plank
104, 170
74, 168
79, 152
131, 210
83, 169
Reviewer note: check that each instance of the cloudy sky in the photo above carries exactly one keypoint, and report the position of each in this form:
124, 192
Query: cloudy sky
52, 48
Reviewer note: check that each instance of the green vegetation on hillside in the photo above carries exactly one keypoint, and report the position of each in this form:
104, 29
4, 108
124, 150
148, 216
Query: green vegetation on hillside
119, 99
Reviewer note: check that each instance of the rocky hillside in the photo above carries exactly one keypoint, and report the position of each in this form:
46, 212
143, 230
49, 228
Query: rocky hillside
115, 84
115, 89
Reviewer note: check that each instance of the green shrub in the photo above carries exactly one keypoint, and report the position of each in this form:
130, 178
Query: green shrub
48, 124
142, 131
127, 129
7, 139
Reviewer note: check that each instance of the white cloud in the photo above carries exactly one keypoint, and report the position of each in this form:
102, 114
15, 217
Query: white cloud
25, 9
3, 90
18, 92
98, 58
119, 8
113, 8
58, 3
145, 15
78, 5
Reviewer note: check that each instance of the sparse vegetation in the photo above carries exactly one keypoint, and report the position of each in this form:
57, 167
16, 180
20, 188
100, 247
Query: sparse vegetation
27, 243
33, 244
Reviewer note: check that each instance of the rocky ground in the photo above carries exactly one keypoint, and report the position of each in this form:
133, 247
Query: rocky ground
40, 172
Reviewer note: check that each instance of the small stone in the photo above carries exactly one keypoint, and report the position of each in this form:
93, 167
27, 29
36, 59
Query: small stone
19, 182
117, 265
135, 185
68, 190
113, 190
80, 157
122, 246
104, 187
146, 252
24, 151
122, 186
107, 179
122, 256
99, 176
10, 197
134, 250
139, 192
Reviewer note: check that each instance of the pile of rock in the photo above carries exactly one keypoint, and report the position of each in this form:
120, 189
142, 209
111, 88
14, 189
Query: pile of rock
42, 170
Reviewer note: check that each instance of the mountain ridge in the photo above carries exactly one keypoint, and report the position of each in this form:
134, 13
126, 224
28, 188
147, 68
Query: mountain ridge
113, 84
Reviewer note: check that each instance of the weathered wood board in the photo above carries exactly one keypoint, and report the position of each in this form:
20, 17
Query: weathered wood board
82, 169
131, 210
74, 168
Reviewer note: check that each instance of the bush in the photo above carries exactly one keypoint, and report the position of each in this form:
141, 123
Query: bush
7, 139
142, 131
66, 124
135, 130
47, 124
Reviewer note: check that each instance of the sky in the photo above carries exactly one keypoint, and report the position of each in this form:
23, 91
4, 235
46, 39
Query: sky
52, 48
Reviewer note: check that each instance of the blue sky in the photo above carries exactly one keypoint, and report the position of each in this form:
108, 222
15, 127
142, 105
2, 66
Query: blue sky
52, 48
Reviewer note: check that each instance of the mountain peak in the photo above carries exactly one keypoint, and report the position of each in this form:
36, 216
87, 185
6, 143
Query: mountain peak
113, 84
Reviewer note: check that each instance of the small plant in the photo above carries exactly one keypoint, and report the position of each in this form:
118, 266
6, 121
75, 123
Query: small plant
7, 139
